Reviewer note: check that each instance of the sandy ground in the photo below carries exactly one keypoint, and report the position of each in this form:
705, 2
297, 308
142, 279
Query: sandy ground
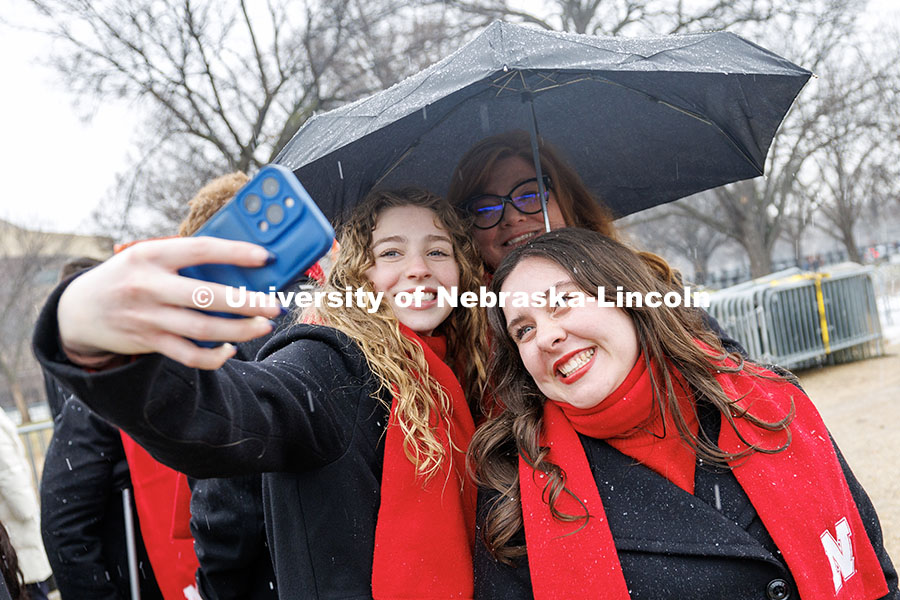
860, 403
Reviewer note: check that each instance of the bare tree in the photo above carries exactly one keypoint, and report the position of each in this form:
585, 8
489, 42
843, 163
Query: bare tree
669, 233
226, 83
635, 17
756, 211
850, 176
813, 33
799, 219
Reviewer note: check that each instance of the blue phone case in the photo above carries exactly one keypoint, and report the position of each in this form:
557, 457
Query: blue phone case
274, 211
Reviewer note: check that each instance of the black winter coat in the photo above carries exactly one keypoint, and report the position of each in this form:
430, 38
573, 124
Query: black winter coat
673, 545
82, 517
228, 527
305, 416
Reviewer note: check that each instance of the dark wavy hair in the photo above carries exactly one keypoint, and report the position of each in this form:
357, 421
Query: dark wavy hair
666, 336
9, 566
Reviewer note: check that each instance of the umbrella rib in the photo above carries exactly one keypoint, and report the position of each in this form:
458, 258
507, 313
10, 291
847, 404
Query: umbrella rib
684, 111
505, 84
395, 165
412, 147
700, 38
688, 113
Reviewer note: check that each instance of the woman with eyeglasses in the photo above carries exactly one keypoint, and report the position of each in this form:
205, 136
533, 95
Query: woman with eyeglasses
495, 185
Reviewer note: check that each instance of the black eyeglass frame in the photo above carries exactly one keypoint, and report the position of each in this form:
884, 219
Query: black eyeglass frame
508, 199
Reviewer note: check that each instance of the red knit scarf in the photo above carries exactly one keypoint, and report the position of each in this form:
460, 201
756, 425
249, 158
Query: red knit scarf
627, 420
800, 494
426, 531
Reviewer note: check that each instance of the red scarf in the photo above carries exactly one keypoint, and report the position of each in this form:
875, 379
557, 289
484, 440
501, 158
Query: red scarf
426, 531
625, 420
163, 505
800, 494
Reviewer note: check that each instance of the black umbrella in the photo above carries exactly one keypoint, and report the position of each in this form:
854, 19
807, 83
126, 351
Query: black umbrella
643, 121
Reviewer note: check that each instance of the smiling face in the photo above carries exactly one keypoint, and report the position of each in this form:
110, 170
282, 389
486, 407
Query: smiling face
515, 228
577, 355
412, 250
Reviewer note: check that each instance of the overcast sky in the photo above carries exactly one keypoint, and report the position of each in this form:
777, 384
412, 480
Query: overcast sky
58, 166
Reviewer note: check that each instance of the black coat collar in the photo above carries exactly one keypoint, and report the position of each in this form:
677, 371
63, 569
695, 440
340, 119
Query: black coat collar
649, 513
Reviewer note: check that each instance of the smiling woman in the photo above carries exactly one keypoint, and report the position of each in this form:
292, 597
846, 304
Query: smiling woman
497, 166
413, 255
357, 419
634, 458
575, 355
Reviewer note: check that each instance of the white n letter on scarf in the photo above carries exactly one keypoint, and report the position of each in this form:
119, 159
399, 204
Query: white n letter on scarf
839, 550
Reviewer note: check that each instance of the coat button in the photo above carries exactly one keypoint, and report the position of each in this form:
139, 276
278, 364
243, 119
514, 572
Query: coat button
778, 589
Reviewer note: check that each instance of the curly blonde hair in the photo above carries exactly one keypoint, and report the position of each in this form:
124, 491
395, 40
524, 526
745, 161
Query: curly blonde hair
398, 362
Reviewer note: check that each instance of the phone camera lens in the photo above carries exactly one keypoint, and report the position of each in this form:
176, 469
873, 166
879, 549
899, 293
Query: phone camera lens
252, 203
270, 186
275, 214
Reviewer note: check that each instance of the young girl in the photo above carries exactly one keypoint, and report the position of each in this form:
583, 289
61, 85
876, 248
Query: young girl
635, 459
358, 422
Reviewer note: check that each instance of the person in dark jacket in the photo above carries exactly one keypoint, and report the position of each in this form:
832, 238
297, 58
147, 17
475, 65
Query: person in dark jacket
635, 458
360, 428
82, 514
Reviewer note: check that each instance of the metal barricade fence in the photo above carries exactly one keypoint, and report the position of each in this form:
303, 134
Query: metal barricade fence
795, 319
36, 437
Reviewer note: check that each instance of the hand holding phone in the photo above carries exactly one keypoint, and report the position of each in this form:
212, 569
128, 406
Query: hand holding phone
274, 211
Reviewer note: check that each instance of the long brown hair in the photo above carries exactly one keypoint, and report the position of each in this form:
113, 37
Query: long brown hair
579, 207
666, 337
397, 362
9, 567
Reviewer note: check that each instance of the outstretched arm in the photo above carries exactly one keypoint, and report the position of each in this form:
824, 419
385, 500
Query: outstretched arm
137, 303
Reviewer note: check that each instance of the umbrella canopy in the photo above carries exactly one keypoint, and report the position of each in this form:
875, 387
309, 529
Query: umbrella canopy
644, 121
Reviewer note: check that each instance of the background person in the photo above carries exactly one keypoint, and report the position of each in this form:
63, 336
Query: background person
82, 517
634, 458
19, 510
502, 167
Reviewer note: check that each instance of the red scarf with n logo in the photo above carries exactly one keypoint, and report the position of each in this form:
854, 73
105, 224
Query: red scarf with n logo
800, 494
426, 531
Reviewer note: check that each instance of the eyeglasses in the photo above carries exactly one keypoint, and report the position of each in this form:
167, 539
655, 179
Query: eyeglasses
525, 198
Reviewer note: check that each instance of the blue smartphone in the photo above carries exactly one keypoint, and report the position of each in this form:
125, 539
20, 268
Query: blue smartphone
271, 210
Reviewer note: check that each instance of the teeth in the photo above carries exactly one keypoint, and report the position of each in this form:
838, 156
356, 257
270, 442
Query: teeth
420, 296
520, 238
576, 362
